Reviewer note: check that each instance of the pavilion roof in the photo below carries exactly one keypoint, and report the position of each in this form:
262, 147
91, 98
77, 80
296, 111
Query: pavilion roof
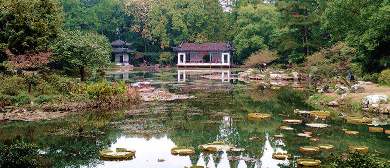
193, 47
122, 50
120, 43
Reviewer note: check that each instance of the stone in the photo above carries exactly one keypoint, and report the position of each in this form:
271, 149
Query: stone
357, 88
374, 99
342, 88
334, 104
343, 96
365, 83
374, 105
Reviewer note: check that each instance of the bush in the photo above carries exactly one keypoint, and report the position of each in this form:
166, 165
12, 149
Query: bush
384, 77
13, 85
357, 159
44, 87
19, 154
371, 77
103, 91
43, 99
262, 56
6, 100
23, 98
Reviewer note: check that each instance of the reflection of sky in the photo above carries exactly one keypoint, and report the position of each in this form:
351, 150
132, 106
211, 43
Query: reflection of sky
266, 159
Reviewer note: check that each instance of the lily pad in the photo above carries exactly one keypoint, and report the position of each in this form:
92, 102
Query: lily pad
326, 147
387, 132
287, 128
297, 111
182, 150
119, 154
317, 125
375, 129
351, 133
320, 113
357, 120
258, 116
292, 121
279, 136
303, 135
281, 156
362, 149
215, 146
309, 149
308, 162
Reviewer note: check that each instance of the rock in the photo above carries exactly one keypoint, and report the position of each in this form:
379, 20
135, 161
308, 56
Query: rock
320, 91
161, 160
365, 83
334, 104
374, 105
343, 96
375, 99
357, 88
141, 84
342, 88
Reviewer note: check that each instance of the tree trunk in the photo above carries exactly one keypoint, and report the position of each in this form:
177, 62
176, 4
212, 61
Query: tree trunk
82, 73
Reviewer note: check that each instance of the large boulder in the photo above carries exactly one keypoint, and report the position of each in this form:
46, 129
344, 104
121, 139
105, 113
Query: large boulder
375, 99
357, 88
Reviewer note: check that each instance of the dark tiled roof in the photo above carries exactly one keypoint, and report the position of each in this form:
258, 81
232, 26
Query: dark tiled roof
203, 47
120, 43
122, 50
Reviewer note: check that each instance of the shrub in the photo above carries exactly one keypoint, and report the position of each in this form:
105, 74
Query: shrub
19, 154
23, 98
103, 91
262, 56
43, 99
6, 100
371, 77
43, 87
384, 77
13, 85
357, 159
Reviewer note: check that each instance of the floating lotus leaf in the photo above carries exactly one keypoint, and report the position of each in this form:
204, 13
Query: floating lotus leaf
275, 88
303, 135
351, 133
258, 116
363, 149
215, 146
292, 121
287, 128
196, 167
281, 156
279, 136
357, 120
309, 149
182, 150
320, 113
375, 129
308, 132
314, 139
297, 111
326, 147
308, 162
317, 125
387, 132
234, 149
300, 89
119, 154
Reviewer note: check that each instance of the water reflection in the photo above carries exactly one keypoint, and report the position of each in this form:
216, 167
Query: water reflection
212, 74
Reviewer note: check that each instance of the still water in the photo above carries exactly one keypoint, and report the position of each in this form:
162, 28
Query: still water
218, 113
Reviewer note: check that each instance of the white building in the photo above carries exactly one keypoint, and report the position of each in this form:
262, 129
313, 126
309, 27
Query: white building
204, 54
121, 52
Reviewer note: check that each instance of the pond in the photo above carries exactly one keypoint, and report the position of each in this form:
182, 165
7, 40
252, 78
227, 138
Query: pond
218, 113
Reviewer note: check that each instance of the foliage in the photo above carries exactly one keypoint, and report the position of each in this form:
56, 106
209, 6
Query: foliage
19, 154
82, 49
28, 25
23, 98
358, 159
255, 26
165, 58
103, 92
384, 77
363, 25
330, 62
13, 85
371, 77
262, 56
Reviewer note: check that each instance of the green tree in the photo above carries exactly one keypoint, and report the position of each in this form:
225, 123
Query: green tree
255, 26
82, 49
364, 25
28, 25
300, 30
166, 58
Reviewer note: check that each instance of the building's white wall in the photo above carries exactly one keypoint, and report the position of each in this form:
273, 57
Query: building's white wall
181, 58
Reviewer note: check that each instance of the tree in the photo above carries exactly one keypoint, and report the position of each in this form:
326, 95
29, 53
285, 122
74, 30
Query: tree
165, 57
363, 25
27, 26
82, 49
300, 32
255, 26
262, 56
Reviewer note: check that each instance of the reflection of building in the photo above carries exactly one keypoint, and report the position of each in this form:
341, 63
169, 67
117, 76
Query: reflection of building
204, 54
223, 75
121, 52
